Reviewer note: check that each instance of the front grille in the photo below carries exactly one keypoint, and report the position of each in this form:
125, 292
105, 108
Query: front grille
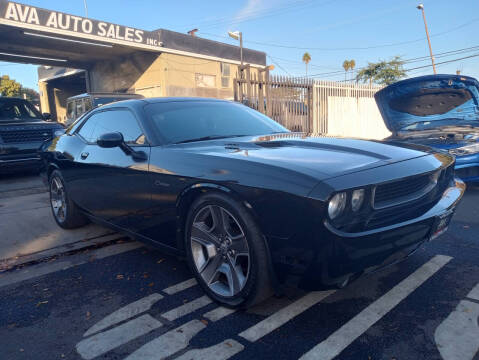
24, 136
400, 191
403, 200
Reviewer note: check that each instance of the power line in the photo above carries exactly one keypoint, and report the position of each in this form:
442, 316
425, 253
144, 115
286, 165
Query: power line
270, 44
444, 62
278, 65
447, 53
263, 13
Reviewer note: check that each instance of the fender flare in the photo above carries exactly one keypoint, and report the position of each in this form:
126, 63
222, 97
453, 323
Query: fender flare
204, 187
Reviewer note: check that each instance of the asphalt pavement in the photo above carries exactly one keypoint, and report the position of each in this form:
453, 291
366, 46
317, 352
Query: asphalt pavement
126, 301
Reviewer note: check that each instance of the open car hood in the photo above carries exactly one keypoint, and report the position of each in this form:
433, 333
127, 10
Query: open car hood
430, 100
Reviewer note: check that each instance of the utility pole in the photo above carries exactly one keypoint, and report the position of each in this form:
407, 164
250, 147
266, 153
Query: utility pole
421, 7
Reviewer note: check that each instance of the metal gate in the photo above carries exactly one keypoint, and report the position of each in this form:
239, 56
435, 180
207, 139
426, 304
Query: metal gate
286, 100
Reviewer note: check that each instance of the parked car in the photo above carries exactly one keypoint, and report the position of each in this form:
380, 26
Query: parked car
251, 205
79, 104
441, 111
22, 131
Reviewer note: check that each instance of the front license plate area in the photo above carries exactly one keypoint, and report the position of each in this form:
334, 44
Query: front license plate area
441, 225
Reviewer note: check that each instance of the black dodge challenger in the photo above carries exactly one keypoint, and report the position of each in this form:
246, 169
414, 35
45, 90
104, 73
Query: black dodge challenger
250, 204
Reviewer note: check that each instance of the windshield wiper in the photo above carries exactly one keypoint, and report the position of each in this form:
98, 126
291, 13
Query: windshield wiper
210, 137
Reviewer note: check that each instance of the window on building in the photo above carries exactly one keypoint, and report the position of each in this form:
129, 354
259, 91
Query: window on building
225, 75
203, 80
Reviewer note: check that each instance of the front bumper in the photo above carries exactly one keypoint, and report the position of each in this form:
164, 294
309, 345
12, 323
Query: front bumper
345, 256
20, 163
467, 167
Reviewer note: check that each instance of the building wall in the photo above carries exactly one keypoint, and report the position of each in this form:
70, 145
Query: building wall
148, 74
179, 75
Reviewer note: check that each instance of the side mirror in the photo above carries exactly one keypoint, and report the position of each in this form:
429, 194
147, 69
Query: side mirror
47, 116
110, 140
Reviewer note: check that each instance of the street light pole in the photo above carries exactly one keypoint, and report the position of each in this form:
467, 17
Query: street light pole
241, 47
421, 7
238, 35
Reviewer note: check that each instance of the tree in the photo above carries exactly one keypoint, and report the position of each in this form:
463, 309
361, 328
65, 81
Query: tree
352, 65
306, 60
30, 94
9, 87
346, 68
383, 72
348, 65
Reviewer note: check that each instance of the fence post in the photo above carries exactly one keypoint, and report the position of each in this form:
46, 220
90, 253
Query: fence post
315, 107
267, 91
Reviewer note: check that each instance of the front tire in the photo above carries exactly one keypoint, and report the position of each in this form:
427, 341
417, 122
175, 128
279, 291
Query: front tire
65, 212
226, 251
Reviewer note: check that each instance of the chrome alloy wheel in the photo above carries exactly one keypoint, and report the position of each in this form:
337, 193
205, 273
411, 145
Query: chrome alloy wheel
220, 250
58, 199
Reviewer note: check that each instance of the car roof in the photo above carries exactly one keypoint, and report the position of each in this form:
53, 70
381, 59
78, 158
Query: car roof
106, 95
12, 99
142, 102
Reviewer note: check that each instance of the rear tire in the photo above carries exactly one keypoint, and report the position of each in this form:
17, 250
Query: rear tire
65, 212
226, 251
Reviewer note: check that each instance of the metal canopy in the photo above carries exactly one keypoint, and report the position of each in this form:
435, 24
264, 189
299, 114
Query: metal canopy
38, 36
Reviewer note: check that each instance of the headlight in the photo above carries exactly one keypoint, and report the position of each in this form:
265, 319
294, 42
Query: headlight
336, 205
357, 199
465, 150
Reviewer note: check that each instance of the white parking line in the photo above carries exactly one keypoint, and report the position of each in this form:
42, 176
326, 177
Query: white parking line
457, 337
180, 287
103, 342
284, 315
474, 293
169, 343
221, 351
218, 313
344, 336
187, 308
126, 312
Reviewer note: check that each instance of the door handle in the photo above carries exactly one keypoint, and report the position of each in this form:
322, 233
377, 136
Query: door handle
84, 155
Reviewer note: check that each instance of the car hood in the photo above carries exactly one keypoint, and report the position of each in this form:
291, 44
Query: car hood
430, 100
317, 157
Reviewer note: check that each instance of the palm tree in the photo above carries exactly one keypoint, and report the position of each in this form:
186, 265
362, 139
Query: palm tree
352, 65
346, 67
306, 60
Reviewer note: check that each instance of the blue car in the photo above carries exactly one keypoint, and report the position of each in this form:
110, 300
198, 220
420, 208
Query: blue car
440, 111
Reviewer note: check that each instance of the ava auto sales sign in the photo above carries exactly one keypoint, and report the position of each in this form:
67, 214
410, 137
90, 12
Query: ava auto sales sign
35, 18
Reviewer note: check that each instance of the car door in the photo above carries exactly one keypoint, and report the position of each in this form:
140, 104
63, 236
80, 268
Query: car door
111, 184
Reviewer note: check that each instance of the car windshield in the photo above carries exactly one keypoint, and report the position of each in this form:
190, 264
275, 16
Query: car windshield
437, 124
18, 110
184, 121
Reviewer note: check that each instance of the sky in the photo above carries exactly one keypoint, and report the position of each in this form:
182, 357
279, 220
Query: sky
331, 31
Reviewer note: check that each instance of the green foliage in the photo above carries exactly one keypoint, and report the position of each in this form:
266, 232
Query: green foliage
348, 65
12, 88
383, 72
306, 60
30, 94
9, 87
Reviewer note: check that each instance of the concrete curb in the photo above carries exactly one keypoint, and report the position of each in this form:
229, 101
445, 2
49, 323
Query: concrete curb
6, 264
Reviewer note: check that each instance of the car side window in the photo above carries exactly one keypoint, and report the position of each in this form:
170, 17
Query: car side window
87, 104
104, 122
71, 110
